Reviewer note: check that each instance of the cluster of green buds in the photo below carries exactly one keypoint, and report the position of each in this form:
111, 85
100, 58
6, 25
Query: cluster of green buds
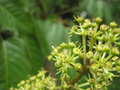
66, 56
97, 56
101, 48
37, 82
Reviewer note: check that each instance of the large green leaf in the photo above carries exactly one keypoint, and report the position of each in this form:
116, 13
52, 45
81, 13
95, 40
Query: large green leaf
13, 63
9, 21
33, 53
55, 33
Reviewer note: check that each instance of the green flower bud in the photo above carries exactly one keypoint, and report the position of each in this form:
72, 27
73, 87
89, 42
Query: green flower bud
63, 69
94, 67
93, 25
50, 58
108, 65
76, 51
77, 66
105, 38
116, 30
98, 74
98, 86
89, 55
115, 51
41, 73
114, 58
32, 78
85, 25
63, 45
103, 48
28, 81
61, 55
21, 83
90, 32
58, 48
87, 21
71, 45
118, 68
104, 84
113, 24
98, 20
118, 62
106, 48
55, 50
104, 27
75, 27
81, 55
69, 60
100, 48
53, 53
79, 19
58, 64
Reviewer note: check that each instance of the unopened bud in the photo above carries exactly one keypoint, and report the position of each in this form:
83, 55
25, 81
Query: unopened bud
50, 58
90, 32
98, 20
77, 66
71, 45
115, 51
63, 45
85, 25
89, 55
113, 24
76, 51
74, 27
104, 27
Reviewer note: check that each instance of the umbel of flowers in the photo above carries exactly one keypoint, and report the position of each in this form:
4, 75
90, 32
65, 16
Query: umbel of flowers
96, 56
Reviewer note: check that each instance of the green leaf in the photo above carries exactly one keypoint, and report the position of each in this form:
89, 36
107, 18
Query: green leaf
10, 21
34, 54
100, 8
107, 12
13, 63
48, 33
55, 33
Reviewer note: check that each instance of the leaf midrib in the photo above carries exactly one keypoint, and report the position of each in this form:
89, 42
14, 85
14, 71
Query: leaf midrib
6, 62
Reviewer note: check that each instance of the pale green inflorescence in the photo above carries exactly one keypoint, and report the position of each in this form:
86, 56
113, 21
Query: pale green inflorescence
97, 56
37, 82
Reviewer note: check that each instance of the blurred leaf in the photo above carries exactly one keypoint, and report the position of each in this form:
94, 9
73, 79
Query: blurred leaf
97, 8
107, 12
34, 54
54, 34
14, 65
91, 6
100, 8
115, 85
9, 21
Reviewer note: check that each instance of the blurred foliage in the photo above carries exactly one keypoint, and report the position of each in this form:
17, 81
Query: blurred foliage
28, 28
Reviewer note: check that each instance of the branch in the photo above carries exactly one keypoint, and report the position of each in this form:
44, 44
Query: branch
82, 72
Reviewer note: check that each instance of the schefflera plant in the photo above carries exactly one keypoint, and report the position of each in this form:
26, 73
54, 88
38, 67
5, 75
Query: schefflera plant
96, 56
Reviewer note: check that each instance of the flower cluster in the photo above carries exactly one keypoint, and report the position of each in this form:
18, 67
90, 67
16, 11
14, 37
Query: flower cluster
102, 49
97, 56
37, 82
66, 57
